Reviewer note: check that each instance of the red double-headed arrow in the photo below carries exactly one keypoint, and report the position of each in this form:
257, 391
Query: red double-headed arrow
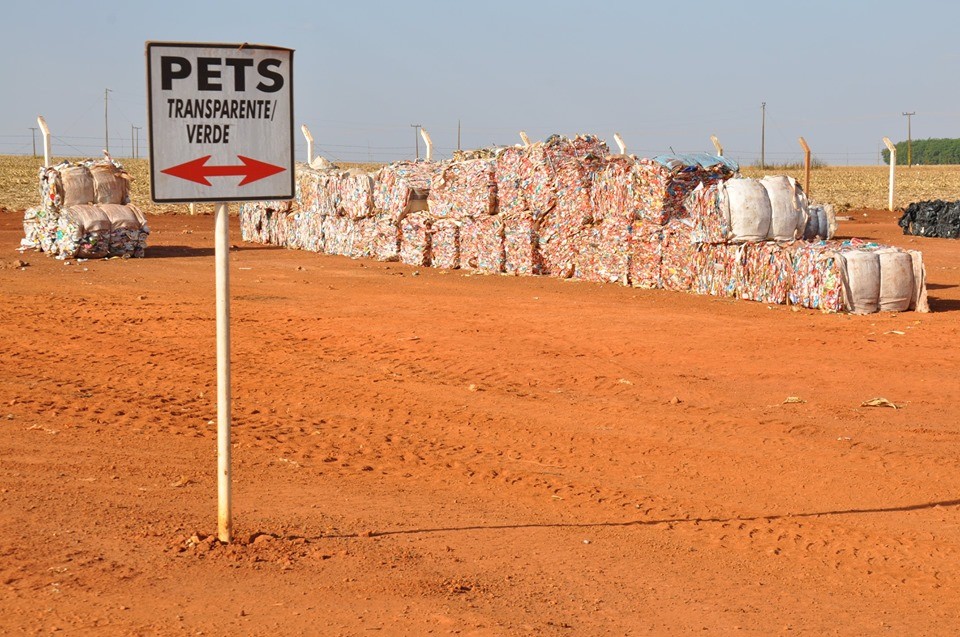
197, 171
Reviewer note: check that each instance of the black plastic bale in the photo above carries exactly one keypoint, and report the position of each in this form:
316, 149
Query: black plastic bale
932, 219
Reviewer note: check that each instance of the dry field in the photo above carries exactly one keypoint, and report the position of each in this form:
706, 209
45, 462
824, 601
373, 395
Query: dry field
846, 186
427, 451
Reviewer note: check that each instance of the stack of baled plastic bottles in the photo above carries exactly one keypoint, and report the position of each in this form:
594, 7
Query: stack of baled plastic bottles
85, 212
567, 208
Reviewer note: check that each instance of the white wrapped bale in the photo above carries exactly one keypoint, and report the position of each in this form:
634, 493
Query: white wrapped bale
128, 230
110, 183
821, 223
919, 301
746, 208
861, 281
896, 280
83, 231
78, 185
788, 207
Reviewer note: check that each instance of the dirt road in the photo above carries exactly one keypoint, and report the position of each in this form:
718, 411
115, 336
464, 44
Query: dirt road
429, 452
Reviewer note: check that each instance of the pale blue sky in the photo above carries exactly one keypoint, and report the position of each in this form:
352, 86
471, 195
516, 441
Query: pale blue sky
663, 75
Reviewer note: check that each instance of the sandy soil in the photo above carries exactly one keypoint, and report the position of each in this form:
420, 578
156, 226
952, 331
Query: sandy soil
431, 452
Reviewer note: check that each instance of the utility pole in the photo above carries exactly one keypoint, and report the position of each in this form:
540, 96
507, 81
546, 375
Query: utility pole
909, 139
33, 134
416, 139
458, 134
763, 135
136, 142
106, 126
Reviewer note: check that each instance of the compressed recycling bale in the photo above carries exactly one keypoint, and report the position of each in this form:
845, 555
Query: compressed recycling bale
766, 272
932, 219
678, 257
386, 239
665, 182
817, 277
110, 183
83, 231
445, 244
463, 189
861, 281
745, 204
51, 188
78, 186
788, 207
520, 244
32, 230
716, 270
482, 243
355, 194
403, 188
646, 256
507, 173
919, 301
603, 252
614, 193
128, 230
415, 239
896, 280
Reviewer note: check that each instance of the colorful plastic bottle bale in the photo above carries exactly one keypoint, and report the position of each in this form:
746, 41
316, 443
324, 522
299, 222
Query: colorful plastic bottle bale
709, 222
463, 189
537, 181
386, 238
718, 270
678, 258
362, 238
481, 243
767, 268
83, 232
613, 193
51, 189
817, 278
646, 256
603, 254
355, 194
521, 254
128, 230
557, 239
415, 239
651, 192
507, 173
445, 244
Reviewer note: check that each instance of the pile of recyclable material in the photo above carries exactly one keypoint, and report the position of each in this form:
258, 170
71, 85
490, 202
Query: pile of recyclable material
463, 189
566, 208
401, 189
85, 212
932, 219
858, 277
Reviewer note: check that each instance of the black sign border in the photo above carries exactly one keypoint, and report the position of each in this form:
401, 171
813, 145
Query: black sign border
201, 45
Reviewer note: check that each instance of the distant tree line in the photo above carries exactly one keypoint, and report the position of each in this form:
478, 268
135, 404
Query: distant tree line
927, 151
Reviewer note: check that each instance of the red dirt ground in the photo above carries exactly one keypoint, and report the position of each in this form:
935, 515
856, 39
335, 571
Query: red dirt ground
432, 452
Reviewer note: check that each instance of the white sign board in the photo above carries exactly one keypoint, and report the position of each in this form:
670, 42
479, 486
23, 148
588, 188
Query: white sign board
220, 122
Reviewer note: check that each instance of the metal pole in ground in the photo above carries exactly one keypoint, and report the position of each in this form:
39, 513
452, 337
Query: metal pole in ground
222, 258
